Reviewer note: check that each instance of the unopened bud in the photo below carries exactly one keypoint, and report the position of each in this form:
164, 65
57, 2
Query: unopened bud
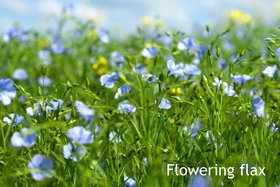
44, 70
218, 52
40, 91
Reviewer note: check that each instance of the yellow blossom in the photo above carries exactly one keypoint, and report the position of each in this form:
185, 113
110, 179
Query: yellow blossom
160, 25
246, 18
42, 43
235, 14
177, 91
152, 45
146, 20
92, 33
101, 65
148, 60
148, 45
240, 16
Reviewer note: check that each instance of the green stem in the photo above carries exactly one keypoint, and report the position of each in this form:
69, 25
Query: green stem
3, 137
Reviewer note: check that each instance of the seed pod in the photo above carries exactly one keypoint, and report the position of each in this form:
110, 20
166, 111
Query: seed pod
40, 91
222, 87
207, 28
221, 76
218, 52
168, 34
44, 70
87, 82
204, 79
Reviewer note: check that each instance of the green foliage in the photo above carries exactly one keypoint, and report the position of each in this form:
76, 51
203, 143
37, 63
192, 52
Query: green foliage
238, 135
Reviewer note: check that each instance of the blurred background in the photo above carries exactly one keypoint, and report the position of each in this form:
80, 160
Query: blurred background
127, 14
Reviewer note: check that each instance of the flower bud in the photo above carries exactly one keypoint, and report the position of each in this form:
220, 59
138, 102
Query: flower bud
40, 91
218, 52
44, 70
222, 87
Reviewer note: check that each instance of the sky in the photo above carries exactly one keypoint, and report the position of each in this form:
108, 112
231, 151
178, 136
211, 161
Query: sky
181, 14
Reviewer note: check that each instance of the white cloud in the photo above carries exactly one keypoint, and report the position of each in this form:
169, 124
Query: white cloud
85, 12
14, 6
48, 7
181, 14
5, 23
82, 11
170, 11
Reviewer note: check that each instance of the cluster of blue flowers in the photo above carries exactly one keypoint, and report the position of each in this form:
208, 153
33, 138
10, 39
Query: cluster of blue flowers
181, 69
108, 80
75, 149
182, 63
149, 52
7, 91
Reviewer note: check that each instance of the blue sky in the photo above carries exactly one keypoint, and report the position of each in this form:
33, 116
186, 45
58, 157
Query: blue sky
182, 14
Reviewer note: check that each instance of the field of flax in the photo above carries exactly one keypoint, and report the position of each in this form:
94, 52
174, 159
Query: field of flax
96, 107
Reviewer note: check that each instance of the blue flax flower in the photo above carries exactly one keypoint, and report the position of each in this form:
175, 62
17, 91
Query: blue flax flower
22, 98
202, 50
233, 58
117, 58
45, 165
9, 34
45, 57
122, 90
112, 135
194, 128
20, 74
273, 127
76, 153
44, 81
7, 91
108, 79
227, 45
175, 69
164, 104
86, 112
258, 106
80, 135
139, 68
146, 161
36, 109
186, 43
58, 47
149, 52
240, 79
210, 136
54, 105
196, 60
278, 52
103, 36
149, 78
96, 129
17, 119
199, 181
228, 89
20, 139
191, 69
222, 63
129, 182
124, 106
217, 82
270, 71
